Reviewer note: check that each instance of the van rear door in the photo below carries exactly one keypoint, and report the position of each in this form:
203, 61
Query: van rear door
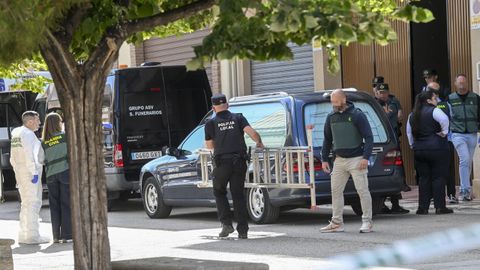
143, 125
158, 106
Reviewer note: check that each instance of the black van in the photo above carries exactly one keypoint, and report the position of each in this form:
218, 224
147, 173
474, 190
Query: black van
144, 111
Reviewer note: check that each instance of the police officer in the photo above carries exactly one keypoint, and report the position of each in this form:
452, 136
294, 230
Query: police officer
450, 181
465, 120
390, 103
431, 75
393, 109
224, 133
427, 130
394, 105
375, 81
348, 131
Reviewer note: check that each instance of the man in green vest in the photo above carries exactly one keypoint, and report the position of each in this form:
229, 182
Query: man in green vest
465, 119
347, 130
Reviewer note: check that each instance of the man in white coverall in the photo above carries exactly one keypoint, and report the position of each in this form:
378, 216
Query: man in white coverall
26, 157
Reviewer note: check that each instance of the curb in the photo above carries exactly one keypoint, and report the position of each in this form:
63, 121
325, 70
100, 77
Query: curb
173, 263
6, 260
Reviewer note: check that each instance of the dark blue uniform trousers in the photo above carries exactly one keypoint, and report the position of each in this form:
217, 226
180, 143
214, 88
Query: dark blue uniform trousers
433, 168
233, 171
59, 199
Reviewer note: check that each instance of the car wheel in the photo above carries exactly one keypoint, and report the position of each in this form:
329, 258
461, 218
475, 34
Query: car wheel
259, 208
153, 200
377, 205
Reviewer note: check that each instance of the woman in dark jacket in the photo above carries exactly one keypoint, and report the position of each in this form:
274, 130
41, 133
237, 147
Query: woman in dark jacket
57, 172
427, 130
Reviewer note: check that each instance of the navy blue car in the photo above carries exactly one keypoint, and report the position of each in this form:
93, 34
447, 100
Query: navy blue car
281, 120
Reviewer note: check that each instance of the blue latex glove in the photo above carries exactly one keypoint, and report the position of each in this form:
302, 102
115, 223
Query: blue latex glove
35, 179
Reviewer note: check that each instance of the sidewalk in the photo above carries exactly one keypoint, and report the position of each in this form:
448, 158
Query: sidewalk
154, 246
172, 247
410, 201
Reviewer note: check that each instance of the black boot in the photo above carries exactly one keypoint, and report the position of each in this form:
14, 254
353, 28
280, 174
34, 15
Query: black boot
242, 235
445, 210
399, 210
226, 230
422, 211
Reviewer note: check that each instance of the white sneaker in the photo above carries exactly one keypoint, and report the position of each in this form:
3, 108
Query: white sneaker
332, 227
366, 227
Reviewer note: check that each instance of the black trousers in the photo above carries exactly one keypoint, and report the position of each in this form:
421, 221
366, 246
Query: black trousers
233, 171
451, 174
432, 168
59, 200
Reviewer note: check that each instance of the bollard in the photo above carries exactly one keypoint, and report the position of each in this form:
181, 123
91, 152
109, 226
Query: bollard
6, 260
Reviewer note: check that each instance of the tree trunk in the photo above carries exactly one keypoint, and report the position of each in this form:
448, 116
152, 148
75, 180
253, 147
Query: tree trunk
87, 177
80, 90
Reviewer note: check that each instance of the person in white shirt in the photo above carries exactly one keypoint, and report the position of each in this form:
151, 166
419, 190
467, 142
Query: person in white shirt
26, 157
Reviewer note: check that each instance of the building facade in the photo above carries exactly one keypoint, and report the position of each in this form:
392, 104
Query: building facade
450, 44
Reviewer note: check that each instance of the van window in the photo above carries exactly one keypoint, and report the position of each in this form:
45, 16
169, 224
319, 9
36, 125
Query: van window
316, 113
8, 117
195, 141
12, 105
268, 119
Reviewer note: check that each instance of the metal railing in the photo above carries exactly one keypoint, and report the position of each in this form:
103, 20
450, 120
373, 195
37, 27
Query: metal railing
273, 168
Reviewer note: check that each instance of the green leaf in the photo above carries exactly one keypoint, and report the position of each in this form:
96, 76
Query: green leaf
194, 64
145, 10
310, 21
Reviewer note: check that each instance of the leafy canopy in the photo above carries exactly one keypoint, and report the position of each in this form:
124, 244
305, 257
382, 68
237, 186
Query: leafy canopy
247, 29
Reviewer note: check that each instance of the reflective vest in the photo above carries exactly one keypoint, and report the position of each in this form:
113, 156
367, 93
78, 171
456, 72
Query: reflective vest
344, 132
55, 155
464, 114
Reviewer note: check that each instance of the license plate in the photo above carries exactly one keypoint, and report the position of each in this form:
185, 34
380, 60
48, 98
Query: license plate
146, 155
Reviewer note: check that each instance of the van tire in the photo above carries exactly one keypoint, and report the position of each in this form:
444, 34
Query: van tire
377, 205
259, 207
152, 199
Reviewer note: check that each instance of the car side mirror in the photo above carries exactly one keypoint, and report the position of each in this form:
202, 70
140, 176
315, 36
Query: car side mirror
175, 152
171, 151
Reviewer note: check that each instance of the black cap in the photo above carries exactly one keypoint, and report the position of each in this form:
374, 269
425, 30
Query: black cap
382, 87
218, 99
429, 73
377, 80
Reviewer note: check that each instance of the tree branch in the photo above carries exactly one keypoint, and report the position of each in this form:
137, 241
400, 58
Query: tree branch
59, 59
71, 22
74, 19
104, 54
167, 17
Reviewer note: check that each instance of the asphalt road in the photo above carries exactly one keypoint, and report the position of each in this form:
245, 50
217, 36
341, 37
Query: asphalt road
296, 234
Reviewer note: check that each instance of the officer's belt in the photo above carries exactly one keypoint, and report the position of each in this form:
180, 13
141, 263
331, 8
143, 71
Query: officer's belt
228, 156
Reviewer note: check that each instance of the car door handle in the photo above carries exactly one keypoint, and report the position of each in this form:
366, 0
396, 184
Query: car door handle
193, 163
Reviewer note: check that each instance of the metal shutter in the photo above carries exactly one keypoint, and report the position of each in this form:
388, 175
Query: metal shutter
175, 50
294, 76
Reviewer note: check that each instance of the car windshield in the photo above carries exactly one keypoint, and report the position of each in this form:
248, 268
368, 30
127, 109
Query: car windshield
195, 141
316, 113
268, 119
